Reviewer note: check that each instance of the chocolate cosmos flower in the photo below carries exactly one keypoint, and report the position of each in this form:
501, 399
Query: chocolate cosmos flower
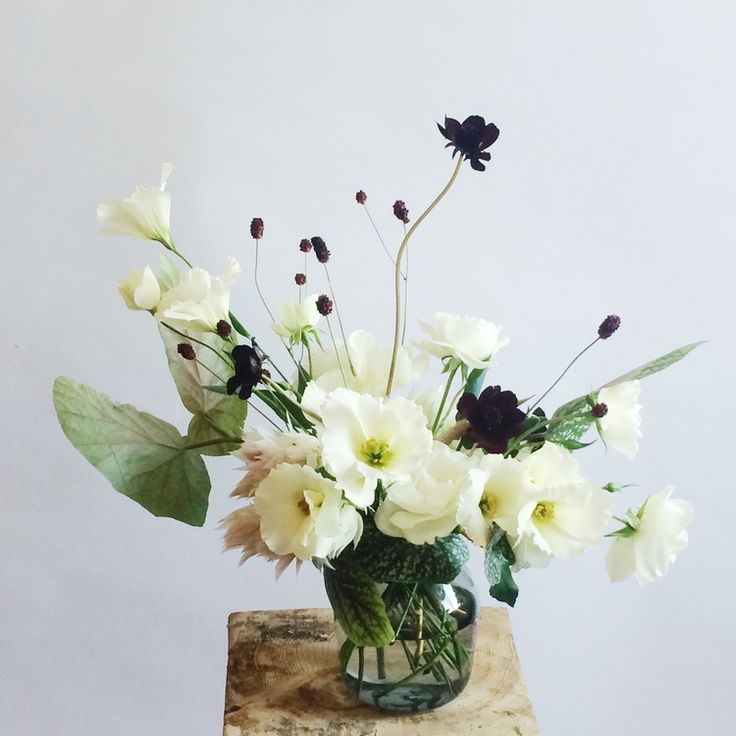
470, 138
494, 418
248, 370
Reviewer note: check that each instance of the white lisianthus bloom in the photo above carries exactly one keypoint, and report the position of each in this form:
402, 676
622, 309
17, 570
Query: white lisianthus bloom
366, 439
297, 320
145, 214
653, 537
140, 290
243, 530
504, 490
620, 427
552, 465
426, 506
370, 363
462, 340
304, 514
263, 451
198, 301
566, 520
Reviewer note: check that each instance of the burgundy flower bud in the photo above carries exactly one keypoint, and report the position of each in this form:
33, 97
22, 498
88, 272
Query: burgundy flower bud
609, 325
256, 228
599, 410
305, 245
186, 351
320, 249
300, 279
401, 211
361, 197
223, 328
324, 305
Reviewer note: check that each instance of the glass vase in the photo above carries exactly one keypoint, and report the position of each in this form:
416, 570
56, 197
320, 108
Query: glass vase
429, 662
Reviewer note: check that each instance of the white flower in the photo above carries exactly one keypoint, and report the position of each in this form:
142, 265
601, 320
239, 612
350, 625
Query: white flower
504, 490
140, 290
429, 402
243, 529
552, 465
370, 362
426, 506
658, 535
303, 513
566, 520
297, 320
198, 301
366, 439
262, 452
145, 214
466, 340
619, 428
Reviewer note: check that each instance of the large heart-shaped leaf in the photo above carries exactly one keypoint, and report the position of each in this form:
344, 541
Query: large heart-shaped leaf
142, 456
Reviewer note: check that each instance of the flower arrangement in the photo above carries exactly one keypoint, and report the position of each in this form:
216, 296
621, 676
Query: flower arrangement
356, 469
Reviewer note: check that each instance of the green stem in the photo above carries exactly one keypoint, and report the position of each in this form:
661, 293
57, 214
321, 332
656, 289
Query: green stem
337, 352
258, 288
397, 273
210, 443
381, 662
339, 320
443, 400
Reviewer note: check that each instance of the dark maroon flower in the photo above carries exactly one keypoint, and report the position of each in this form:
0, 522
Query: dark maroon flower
401, 211
494, 418
305, 245
609, 325
248, 370
223, 328
361, 197
300, 279
599, 410
324, 305
186, 351
256, 228
470, 138
320, 249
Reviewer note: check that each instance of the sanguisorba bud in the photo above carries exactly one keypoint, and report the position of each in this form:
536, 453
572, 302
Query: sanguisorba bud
324, 305
305, 245
223, 328
609, 325
401, 211
599, 410
300, 279
361, 197
256, 228
186, 351
320, 249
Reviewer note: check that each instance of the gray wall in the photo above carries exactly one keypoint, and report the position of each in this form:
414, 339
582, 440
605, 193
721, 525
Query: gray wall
611, 189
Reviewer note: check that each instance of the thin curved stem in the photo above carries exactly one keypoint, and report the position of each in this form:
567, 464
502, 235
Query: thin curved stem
397, 273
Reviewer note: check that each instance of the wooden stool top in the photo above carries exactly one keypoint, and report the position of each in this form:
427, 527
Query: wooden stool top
283, 679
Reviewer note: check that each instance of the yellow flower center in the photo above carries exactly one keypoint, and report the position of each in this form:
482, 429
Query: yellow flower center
544, 511
376, 452
488, 505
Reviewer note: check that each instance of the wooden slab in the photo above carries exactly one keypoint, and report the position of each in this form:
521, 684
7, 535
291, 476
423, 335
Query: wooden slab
283, 679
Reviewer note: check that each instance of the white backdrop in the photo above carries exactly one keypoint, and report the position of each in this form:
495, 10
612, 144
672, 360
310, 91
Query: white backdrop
611, 190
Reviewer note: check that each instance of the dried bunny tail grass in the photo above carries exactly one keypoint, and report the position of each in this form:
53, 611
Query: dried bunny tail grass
243, 530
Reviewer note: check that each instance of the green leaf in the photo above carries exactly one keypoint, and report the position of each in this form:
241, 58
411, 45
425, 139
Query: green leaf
143, 457
235, 322
168, 273
498, 560
570, 422
216, 415
474, 384
358, 606
656, 365
394, 560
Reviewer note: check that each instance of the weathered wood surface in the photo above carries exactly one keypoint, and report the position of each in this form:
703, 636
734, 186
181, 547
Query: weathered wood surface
283, 680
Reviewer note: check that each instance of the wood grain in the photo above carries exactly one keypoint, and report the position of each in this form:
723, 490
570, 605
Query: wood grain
283, 680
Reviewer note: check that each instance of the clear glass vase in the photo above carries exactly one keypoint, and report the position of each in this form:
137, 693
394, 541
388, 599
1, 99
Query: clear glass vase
429, 662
